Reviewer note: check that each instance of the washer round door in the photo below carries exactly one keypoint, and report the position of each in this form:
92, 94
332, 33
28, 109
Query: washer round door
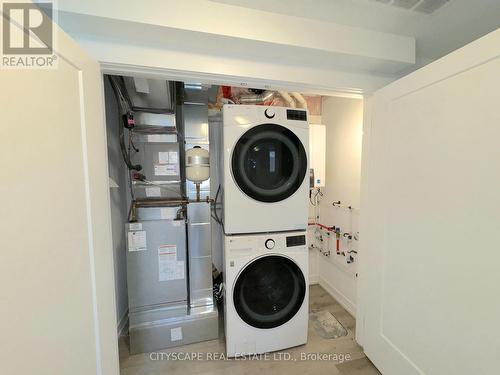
269, 291
269, 163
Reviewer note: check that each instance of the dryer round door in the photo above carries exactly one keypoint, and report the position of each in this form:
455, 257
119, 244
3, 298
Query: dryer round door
269, 291
269, 163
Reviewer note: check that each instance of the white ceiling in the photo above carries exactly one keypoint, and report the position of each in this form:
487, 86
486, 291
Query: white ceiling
453, 25
345, 45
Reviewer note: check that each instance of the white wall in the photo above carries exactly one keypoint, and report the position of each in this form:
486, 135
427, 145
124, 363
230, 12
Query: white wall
56, 283
343, 118
313, 254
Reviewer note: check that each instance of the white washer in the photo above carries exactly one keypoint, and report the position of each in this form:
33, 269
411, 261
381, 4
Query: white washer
266, 179
266, 298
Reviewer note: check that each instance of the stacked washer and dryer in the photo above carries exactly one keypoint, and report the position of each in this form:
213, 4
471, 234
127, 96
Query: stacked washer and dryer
265, 211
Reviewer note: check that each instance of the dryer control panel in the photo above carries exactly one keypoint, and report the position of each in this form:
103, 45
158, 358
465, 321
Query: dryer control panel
295, 241
294, 114
270, 244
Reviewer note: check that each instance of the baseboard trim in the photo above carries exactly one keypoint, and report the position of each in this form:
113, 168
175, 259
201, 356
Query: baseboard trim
341, 298
313, 279
123, 324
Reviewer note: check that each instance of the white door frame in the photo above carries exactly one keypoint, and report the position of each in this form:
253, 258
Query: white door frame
222, 79
209, 78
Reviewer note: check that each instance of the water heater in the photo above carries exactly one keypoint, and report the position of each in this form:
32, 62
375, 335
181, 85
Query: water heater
317, 155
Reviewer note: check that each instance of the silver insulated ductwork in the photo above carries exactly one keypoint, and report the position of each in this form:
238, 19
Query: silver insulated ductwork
257, 98
270, 95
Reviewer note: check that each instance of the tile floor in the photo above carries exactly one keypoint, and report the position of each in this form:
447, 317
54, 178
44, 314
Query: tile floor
142, 364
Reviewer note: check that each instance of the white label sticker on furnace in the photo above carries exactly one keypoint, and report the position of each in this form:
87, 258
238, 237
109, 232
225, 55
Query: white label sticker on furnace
153, 192
137, 241
176, 334
163, 157
169, 268
135, 226
165, 170
173, 157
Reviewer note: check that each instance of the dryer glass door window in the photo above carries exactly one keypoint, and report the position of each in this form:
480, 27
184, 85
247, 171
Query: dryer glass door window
269, 163
269, 292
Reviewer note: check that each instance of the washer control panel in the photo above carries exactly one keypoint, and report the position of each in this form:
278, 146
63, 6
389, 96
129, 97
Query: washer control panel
270, 244
246, 245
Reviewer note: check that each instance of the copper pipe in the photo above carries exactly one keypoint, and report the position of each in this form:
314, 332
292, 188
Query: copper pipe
152, 203
159, 202
132, 216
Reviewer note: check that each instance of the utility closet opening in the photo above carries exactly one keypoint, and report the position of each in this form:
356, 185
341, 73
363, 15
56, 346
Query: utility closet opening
166, 176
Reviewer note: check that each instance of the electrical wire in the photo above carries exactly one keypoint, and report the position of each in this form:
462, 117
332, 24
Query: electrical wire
310, 200
124, 109
214, 213
124, 94
317, 192
131, 143
130, 185
132, 194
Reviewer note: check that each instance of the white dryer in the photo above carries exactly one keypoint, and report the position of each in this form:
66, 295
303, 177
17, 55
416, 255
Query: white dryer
265, 182
266, 292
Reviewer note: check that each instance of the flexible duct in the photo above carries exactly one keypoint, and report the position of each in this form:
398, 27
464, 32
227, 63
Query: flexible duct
287, 98
300, 100
269, 95
257, 99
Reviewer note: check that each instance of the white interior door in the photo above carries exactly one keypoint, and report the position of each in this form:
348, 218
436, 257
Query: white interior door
56, 279
430, 248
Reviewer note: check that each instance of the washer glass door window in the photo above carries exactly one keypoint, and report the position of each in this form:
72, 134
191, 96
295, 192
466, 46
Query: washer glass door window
269, 291
269, 163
